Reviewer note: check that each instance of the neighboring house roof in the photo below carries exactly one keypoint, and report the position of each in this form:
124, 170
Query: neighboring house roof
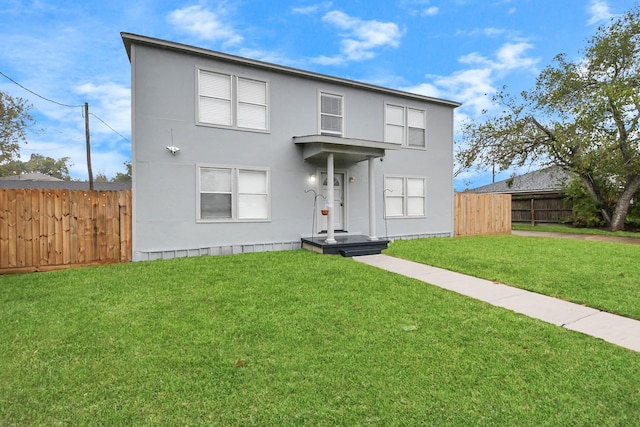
64, 185
129, 38
35, 176
549, 180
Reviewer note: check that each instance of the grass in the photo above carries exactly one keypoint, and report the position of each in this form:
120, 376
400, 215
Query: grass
597, 274
574, 230
291, 338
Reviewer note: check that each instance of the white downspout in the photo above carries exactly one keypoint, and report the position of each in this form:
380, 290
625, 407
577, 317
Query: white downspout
372, 200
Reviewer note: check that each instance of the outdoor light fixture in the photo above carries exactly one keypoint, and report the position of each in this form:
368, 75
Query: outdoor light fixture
172, 149
312, 179
352, 179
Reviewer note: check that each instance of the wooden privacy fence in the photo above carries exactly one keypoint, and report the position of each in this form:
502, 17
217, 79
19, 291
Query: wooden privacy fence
44, 229
476, 214
538, 209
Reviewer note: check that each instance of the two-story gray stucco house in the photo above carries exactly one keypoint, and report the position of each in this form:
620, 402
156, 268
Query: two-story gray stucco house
235, 155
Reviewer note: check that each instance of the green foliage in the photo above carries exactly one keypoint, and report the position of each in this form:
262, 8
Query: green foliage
14, 120
583, 116
290, 338
38, 163
123, 177
633, 218
101, 177
585, 210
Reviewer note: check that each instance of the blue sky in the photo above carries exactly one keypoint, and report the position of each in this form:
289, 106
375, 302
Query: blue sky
464, 50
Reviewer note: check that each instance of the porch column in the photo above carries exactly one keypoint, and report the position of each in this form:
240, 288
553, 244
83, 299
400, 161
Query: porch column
372, 200
330, 200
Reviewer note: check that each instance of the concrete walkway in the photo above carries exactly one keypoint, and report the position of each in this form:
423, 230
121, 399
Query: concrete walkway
609, 327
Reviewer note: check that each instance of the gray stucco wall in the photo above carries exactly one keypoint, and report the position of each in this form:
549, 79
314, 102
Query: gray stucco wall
164, 185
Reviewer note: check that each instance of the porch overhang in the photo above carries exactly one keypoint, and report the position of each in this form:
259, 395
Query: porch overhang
316, 148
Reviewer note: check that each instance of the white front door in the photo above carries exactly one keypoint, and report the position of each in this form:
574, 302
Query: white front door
338, 200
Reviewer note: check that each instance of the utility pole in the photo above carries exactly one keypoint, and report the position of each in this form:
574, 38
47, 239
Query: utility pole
86, 131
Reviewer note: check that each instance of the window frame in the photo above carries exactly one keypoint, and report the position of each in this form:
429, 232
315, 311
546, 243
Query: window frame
235, 171
235, 82
406, 128
342, 115
405, 196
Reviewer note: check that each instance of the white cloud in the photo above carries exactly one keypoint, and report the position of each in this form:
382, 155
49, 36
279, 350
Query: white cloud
112, 103
426, 89
599, 11
487, 32
419, 7
511, 57
431, 11
309, 10
475, 85
360, 38
205, 24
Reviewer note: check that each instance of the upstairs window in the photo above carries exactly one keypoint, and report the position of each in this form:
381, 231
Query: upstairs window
405, 126
331, 114
215, 99
232, 101
252, 104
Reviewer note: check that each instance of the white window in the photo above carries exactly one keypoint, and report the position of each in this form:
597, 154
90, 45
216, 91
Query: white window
331, 114
405, 197
215, 98
226, 100
252, 104
405, 126
228, 194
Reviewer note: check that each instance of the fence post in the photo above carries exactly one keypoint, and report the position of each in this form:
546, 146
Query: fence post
533, 213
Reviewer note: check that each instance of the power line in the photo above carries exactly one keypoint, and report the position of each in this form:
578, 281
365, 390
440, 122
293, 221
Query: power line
107, 125
38, 95
63, 105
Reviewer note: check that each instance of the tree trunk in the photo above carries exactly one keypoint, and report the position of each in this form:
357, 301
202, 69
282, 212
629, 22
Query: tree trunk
624, 202
596, 194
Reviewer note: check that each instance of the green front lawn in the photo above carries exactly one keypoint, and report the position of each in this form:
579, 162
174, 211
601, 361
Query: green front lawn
290, 338
597, 274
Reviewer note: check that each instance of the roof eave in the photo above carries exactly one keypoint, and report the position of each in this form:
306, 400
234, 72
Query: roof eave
129, 39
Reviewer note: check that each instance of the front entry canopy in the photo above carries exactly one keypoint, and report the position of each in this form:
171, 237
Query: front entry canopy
316, 148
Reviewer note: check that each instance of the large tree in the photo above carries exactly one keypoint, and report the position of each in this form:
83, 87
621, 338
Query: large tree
14, 120
581, 115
